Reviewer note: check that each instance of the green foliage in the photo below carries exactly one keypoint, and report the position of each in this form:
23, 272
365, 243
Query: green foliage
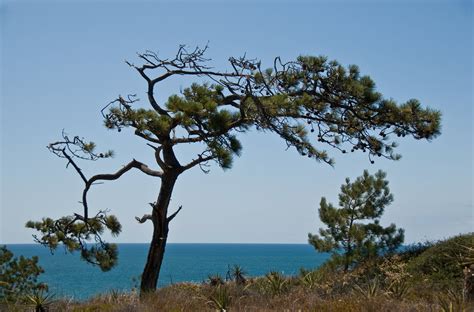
341, 105
76, 234
199, 111
412, 251
443, 263
294, 99
349, 234
18, 276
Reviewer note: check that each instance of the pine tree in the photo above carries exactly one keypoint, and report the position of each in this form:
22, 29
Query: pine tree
18, 276
353, 231
309, 102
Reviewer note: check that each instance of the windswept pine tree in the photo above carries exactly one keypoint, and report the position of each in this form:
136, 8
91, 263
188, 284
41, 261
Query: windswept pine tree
353, 230
310, 102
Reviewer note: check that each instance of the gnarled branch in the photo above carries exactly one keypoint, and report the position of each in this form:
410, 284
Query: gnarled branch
61, 149
114, 176
143, 219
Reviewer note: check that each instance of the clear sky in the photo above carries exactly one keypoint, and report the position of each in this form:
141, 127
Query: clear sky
62, 61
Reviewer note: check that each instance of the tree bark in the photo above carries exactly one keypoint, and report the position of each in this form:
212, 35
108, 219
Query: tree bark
349, 242
160, 221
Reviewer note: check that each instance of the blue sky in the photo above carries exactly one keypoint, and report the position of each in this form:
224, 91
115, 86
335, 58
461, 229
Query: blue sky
62, 61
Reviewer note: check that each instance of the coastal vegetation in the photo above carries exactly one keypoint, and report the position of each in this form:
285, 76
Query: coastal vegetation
311, 103
430, 276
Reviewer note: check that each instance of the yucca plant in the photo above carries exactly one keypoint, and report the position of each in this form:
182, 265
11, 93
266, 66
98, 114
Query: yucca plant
398, 289
451, 301
275, 283
221, 298
40, 299
215, 280
369, 290
309, 279
237, 274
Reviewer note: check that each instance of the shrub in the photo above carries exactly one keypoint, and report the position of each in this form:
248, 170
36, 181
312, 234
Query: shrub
443, 263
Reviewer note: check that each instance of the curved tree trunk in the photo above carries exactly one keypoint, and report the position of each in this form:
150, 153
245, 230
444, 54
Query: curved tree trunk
160, 221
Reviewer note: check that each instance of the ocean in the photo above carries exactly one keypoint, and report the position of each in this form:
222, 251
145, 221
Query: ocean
69, 276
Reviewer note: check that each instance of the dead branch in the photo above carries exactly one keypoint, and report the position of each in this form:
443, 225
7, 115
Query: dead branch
171, 217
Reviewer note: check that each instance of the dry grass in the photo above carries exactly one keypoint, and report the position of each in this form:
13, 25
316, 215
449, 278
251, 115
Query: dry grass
403, 282
257, 295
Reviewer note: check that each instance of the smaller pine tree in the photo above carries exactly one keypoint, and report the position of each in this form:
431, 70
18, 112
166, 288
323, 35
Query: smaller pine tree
353, 232
18, 276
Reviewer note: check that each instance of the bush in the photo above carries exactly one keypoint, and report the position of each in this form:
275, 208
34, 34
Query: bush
443, 263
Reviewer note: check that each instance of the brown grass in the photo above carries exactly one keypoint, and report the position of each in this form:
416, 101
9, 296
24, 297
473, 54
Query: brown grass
256, 296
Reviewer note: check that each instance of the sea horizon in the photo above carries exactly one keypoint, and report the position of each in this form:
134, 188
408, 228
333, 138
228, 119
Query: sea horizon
194, 243
70, 277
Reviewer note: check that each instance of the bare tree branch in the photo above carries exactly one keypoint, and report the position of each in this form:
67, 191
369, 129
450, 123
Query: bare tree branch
114, 176
146, 137
99, 177
143, 219
197, 161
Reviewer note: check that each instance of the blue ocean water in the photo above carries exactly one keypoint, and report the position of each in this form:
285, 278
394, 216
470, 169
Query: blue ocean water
68, 276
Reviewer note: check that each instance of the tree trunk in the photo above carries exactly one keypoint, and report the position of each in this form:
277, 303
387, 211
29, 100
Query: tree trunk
160, 221
348, 255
